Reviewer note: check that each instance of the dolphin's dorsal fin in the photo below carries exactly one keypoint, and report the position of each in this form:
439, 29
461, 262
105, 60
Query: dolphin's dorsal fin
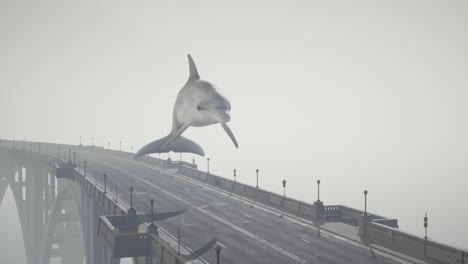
193, 69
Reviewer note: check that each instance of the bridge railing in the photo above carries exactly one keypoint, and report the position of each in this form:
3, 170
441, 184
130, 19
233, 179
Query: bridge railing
380, 230
412, 245
164, 242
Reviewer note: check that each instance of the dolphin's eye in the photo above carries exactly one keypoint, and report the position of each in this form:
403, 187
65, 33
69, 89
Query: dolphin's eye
201, 107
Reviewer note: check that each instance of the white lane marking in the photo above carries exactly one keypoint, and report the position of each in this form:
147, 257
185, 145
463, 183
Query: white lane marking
305, 240
245, 232
247, 215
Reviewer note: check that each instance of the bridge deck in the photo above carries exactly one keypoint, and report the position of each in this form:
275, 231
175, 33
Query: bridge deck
250, 234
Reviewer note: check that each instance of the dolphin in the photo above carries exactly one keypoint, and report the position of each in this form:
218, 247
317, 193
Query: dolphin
199, 103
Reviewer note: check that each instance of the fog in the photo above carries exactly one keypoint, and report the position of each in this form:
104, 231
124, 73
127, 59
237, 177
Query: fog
359, 94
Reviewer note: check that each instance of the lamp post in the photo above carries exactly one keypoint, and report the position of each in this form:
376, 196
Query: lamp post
131, 197
193, 165
257, 177
365, 202
218, 252
365, 212
178, 240
152, 205
318, 190
425, 234
105, 185
208, 169
425, 226
284, 188
235, 174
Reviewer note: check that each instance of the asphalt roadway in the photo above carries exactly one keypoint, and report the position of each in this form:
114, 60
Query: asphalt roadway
248, 232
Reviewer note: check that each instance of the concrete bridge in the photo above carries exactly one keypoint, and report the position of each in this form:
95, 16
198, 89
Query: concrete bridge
251, 225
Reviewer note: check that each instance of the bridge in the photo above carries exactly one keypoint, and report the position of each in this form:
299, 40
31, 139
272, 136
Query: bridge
161, 211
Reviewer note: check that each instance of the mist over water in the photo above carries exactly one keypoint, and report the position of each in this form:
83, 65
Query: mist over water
361, 95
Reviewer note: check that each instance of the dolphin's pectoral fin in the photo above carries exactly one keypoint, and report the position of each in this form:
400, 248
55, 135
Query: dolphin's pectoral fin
176, 134
229, 132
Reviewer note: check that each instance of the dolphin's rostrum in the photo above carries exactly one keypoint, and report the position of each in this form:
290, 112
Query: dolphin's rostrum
199, 103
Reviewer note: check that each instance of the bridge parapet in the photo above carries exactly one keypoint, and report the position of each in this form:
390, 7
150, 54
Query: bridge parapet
123, 237
379, 230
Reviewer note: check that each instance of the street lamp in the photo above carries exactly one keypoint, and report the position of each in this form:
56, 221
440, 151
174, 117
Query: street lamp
365, 202
257, 177
318, 190
365, 212
218, 252
105, 185
152, 205
116, 190
284, 188
425, 226
425, 234
208, 170
235, 174
178, 240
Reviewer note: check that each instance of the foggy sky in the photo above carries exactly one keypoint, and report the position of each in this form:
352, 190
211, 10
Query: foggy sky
360, 94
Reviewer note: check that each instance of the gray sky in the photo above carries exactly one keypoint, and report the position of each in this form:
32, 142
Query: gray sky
361, 94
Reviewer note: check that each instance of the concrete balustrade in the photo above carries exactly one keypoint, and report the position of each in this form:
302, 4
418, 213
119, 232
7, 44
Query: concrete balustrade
291, 205
136, 242
380, 230
263, 196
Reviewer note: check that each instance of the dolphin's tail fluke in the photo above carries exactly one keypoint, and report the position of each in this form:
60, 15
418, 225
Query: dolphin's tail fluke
180, 144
